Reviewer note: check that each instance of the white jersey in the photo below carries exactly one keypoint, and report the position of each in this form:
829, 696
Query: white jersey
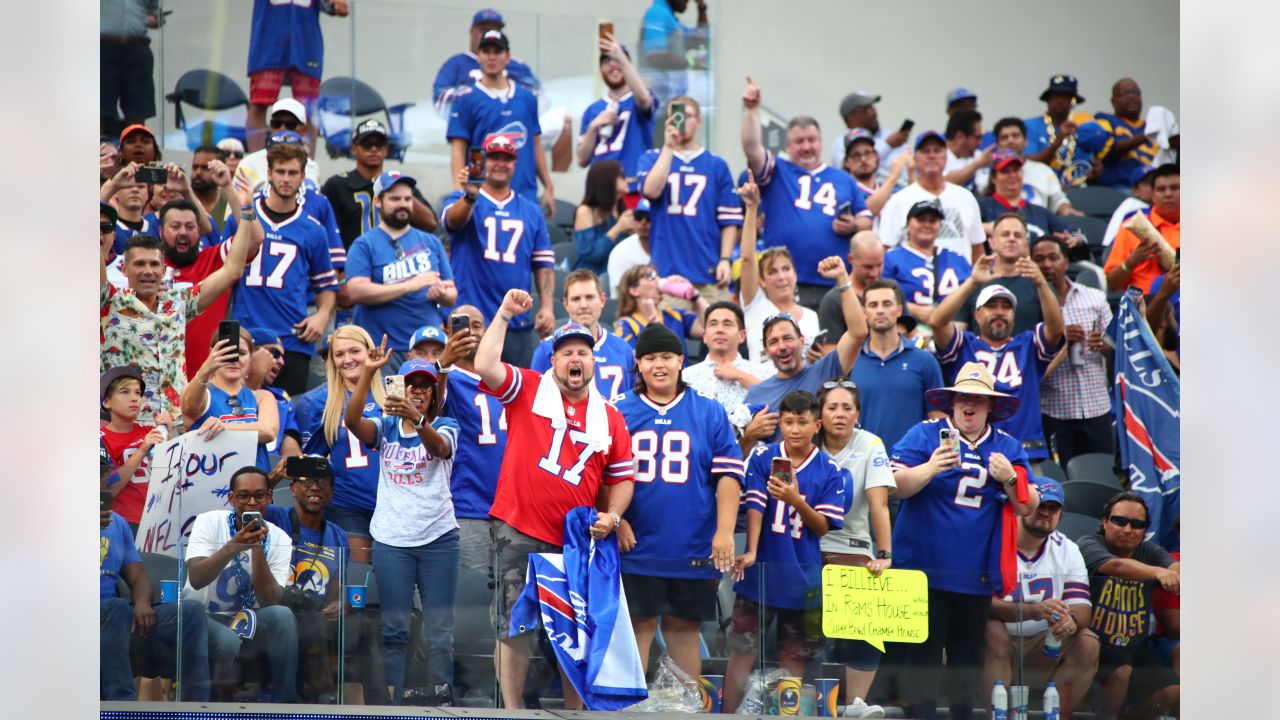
209, 532
868, 464
961, 226
1057, 571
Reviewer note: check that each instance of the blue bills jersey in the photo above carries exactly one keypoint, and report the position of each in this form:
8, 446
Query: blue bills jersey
286, 35
374, 255
482, 441
479, 113
498, 249
696, 202
915, 272
614, 361
1017, 368
234, 410
317, 206
800, 205
681, 451
463, 70
354, 466
950, 528
788, 553
631, 135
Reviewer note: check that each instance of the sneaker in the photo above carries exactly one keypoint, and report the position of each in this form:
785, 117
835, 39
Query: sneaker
859, 709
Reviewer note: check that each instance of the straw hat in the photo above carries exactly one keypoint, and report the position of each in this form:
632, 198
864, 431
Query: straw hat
974, 379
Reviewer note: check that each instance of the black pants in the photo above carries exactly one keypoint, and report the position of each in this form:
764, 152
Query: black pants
957, 623
124, 80
1070, 438
293, 376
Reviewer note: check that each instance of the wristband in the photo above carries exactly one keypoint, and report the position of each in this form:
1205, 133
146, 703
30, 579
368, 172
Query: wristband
845, 287
504, 318
249, 215
884, 555
469, 199
422, 420
243, 208
617, 519
726, 259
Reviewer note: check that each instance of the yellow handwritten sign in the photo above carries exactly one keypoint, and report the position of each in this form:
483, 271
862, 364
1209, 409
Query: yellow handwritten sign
857, 605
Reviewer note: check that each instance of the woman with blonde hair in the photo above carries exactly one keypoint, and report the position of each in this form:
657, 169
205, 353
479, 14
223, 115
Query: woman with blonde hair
320, 417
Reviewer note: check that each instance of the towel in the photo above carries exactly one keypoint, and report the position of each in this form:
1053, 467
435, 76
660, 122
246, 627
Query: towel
1162, 125
549, 403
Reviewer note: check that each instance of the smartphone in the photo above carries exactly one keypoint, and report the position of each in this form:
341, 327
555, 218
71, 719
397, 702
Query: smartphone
986, 246
907, 125
606, 30
307, 466
250, 517
950, 439
845, 207
459, 322
229, 330
104, 500
781, 467
475, 166
677, 112
1135, 293
152, 174
1177, 255
394, 385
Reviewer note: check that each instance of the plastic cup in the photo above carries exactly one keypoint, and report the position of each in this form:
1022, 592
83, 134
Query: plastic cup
168, 591
712, 693
789, 696
356, 595
828, 696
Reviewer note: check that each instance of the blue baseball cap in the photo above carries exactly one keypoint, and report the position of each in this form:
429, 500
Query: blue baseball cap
572, 331
428, 333
959, 94
262, 336
487, 15
1091, 137
1050, 491
1137, 175
389, 178
929, 135
418, 365
643, 207
288, 137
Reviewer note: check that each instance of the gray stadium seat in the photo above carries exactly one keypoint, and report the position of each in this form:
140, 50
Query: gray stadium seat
1099, 202
1053, 471
1087, 497
1091, 466
1093, 228
282, 495
1088, 274
1076, 526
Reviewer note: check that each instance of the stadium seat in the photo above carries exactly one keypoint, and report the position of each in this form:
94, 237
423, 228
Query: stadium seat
159, 567
472, 629
559, 293
610, 313
282, 495
559, 236
564, 215
345, 100
1088, 275
222, 102
1053, 471
1076, 526
1087, 497
1091, 466
1096, 201
1093, 228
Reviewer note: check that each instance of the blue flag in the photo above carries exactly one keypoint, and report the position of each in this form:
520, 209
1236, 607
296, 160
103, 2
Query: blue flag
1147, 407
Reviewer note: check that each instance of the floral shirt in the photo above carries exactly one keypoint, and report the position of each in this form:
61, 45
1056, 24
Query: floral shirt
153, 341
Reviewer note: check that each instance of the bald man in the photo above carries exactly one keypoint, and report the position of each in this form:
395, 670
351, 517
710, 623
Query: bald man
1131, 148
866, 260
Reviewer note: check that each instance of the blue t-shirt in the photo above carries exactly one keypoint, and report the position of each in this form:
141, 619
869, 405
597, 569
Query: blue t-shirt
498, 249
914, 271
799, 206
1017, 368
482, 442
243, 410
681, 450
615, 359
632, 132
355, 469
891, 391
375, 256
317, 554
479, 113
770, 391
697, 201
463, 70
658, 24
115, 550
789, 553
1040, 221
286, 35
950, 528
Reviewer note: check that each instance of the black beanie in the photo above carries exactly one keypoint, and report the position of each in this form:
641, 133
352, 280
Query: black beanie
657, 337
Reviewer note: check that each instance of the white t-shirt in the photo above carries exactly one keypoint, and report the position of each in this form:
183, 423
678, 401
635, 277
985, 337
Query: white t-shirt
961, 228
624, 256
1058, 571
414, 504
978, 182
761, 308
866, 460
1046, 189
209, 532
1130, 205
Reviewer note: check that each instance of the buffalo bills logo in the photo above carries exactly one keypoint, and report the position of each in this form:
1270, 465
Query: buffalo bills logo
974, 375
403, 467
515, 131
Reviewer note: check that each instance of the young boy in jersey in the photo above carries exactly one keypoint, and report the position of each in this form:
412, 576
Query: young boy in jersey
794, 494
126, 443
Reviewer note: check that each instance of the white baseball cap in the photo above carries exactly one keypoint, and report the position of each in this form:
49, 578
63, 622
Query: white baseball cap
291, 106
993, 291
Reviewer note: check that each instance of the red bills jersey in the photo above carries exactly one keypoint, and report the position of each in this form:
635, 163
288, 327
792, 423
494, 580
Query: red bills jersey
200, 329
120, 447
547, 472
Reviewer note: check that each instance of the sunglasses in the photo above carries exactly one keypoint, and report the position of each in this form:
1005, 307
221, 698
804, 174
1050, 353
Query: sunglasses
395, 245
651, 275
839, 383
286, 123
372, 144
233, 402
105, 227
276, 352
1122, 521
312, 482
245, 496
235, 155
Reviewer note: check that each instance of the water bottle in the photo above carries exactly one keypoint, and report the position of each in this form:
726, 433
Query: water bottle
1052, 645
1051, 702
999, 702
606, 132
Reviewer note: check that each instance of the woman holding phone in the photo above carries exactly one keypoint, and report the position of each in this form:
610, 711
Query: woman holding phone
218, 391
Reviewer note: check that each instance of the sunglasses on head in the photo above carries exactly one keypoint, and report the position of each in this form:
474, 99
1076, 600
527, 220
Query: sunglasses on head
286, 123
839, 383
105, 227
1122, 521
233, 402
651, 275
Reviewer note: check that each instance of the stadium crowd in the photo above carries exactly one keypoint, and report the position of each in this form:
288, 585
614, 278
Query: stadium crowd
873, 349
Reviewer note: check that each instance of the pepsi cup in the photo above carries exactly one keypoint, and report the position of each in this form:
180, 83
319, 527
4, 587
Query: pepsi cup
828, 696
712, 687
356, 595
168, 591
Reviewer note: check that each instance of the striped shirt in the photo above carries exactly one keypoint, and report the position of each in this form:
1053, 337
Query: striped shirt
1077, 393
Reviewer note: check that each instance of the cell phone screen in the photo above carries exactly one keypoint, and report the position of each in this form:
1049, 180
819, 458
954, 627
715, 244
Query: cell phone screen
606, 30
678, 112
475, 165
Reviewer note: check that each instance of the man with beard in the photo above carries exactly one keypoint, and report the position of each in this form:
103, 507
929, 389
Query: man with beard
351, 193
1017, 361
618, 126
211, 183
584, 301
179, 187
398, 276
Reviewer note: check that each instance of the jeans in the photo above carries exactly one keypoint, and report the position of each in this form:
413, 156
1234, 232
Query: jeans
117, 671
277, 634
433, 569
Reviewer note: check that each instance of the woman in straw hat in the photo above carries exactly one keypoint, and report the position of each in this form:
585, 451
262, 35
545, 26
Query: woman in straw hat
961, 482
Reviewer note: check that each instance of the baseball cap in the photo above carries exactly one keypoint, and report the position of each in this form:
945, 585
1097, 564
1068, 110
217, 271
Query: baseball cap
369, 127
857, 99
137, 127
291, 106
106, 209
1091, 137
959, 94
231, 145
500, 144
418, 365
928, 135
115, 373
642, 208
428, 333
1140, 173
571, 331
856, 135
262, 336
494, 37
993, 291
924, 207
288, 137
1001, 159
487, 15
389, 178
1050, 491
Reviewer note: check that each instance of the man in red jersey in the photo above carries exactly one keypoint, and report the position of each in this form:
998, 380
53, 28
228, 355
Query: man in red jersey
566, 447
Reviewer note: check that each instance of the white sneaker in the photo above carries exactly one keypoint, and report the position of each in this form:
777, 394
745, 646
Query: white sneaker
859, 709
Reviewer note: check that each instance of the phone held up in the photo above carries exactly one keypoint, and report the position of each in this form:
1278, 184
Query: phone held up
950, 439
907, 125
229, 330
250, 518
605, 30
678, 114
152, 174
781, 468
459, 322
305, 466
475, 166
394, 385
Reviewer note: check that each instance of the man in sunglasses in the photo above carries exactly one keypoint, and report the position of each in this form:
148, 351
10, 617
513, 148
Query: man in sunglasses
1124, 568
287, 116
351, 192
265, 365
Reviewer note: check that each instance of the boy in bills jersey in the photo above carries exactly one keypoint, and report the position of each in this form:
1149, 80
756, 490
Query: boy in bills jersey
956, 523
126, 443
499, 240
794, 494
1052, 596
618, 126
678, 532
1017, 362
813, 208
926, 273
566, 448
696, 210
584, 301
